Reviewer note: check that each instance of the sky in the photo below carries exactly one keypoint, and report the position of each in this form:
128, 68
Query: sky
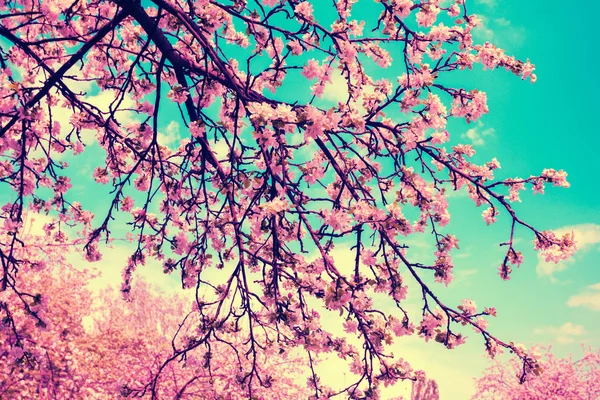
549, 124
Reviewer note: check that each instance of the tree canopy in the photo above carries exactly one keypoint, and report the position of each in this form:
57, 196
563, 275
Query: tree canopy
94, 345
269, 176
553, 378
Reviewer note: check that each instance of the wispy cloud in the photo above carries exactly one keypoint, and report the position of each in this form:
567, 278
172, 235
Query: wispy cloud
220, 148
589, 298
171, 135
586, 237
108, 100
502, 21
501, 31
477, 134
484, 31
464, 276
566, 333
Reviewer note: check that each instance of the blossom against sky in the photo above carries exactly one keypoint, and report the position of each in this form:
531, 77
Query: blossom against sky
549, 124
529, 128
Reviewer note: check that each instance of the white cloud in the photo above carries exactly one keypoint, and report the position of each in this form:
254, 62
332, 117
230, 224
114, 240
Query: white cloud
476, 135
337, 89
455, 194
500, 31
107, 100
114, 259
502, 21
171, 135
344, 258
62, 113
549, 268
484, 32
220, 148
464, 277
75, 80
589, 298
33, 223
566, 333
586, 237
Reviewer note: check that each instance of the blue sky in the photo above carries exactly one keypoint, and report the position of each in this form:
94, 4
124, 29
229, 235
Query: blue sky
550, 124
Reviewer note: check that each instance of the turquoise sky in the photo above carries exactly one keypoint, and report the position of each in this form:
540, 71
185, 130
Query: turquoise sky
550, 124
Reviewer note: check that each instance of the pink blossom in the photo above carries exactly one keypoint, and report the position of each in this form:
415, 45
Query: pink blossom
350, 326
275, 206
101, 175
305, 10
368, 258
255, 203
558, 178
454, 10
489, 215
401, 328
338, 220
295, 47
178, 95
127, 204
427, 15
402, 7
468, 307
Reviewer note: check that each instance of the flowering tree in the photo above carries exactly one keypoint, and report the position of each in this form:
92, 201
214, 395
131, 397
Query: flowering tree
268, 177
553, 378
37, 353
121, 350
425, 389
